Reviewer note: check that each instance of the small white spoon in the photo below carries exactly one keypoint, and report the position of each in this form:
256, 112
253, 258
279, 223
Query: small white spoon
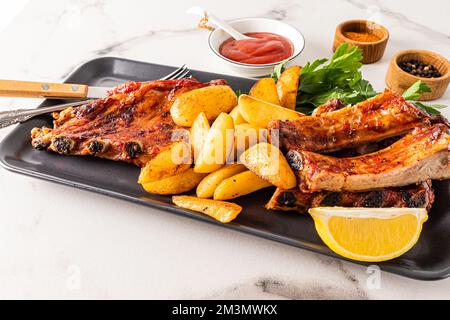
219, 23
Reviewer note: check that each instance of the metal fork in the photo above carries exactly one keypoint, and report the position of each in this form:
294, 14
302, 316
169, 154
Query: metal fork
11, 117
180, 73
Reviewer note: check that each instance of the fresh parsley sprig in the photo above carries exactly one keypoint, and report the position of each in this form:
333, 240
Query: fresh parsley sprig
278, 70
340, 77
430, 108
413, 93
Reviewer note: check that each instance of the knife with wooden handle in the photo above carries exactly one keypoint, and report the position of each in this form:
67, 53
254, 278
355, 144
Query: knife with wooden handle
29, 89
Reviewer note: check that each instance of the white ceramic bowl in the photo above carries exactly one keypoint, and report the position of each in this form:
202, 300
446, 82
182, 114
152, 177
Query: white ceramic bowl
245, 25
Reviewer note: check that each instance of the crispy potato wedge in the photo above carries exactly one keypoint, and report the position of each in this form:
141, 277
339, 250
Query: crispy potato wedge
247, 135
217, 146
267, 161
239, 185
206, 187
260, 113
174, 160
220, 210
211, 100
182, 182
287, 86
199, 131
237, 117
265, 89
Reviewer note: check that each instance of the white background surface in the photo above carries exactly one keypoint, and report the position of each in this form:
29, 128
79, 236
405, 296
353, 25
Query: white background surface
59, 242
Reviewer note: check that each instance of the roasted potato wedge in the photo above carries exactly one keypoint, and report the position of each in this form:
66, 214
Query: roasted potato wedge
206, 187
260, 113
265, 89
174, 160
199, 131
267, 161
239, 185
211, 100
179, 183
247, 135
217, 146
236, 115
220, 210
287, 86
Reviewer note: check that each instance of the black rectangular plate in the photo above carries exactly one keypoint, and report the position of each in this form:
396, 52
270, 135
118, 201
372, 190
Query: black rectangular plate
428, 260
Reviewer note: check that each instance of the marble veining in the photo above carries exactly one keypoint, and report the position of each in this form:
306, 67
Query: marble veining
269, 287
400, 18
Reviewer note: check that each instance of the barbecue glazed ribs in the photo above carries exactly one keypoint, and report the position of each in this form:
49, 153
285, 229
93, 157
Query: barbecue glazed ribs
413, 196
132, 124
422, 154
334, 127
329, 106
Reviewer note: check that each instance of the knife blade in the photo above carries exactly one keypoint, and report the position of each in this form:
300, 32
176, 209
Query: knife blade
97, 92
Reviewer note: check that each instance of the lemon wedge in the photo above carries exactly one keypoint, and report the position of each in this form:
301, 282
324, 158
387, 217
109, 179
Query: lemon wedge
369, 234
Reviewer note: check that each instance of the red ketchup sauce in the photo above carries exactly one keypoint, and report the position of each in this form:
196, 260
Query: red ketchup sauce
265, 48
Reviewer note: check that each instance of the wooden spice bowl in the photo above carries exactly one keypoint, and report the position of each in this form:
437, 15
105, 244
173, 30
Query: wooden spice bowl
372, 51
399, 80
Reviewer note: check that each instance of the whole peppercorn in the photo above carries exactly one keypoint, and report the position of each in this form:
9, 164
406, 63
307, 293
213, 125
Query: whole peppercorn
420, 69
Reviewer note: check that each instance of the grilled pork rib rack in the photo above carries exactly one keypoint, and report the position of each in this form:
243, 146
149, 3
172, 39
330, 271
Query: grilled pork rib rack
380, 117
420, 155
388, 152
418, 196
132, 124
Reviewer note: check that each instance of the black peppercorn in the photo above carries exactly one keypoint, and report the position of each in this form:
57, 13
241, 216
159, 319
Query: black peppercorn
420, 69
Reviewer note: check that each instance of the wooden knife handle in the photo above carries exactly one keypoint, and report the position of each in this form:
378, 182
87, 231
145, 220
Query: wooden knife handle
28, 89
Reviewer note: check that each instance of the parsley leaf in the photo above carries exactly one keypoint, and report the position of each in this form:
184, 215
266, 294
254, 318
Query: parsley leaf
430, 108
413, 92
338, 77
363, 89
278, 70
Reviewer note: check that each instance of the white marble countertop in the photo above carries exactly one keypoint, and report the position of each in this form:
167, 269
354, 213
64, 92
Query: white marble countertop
60, 242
